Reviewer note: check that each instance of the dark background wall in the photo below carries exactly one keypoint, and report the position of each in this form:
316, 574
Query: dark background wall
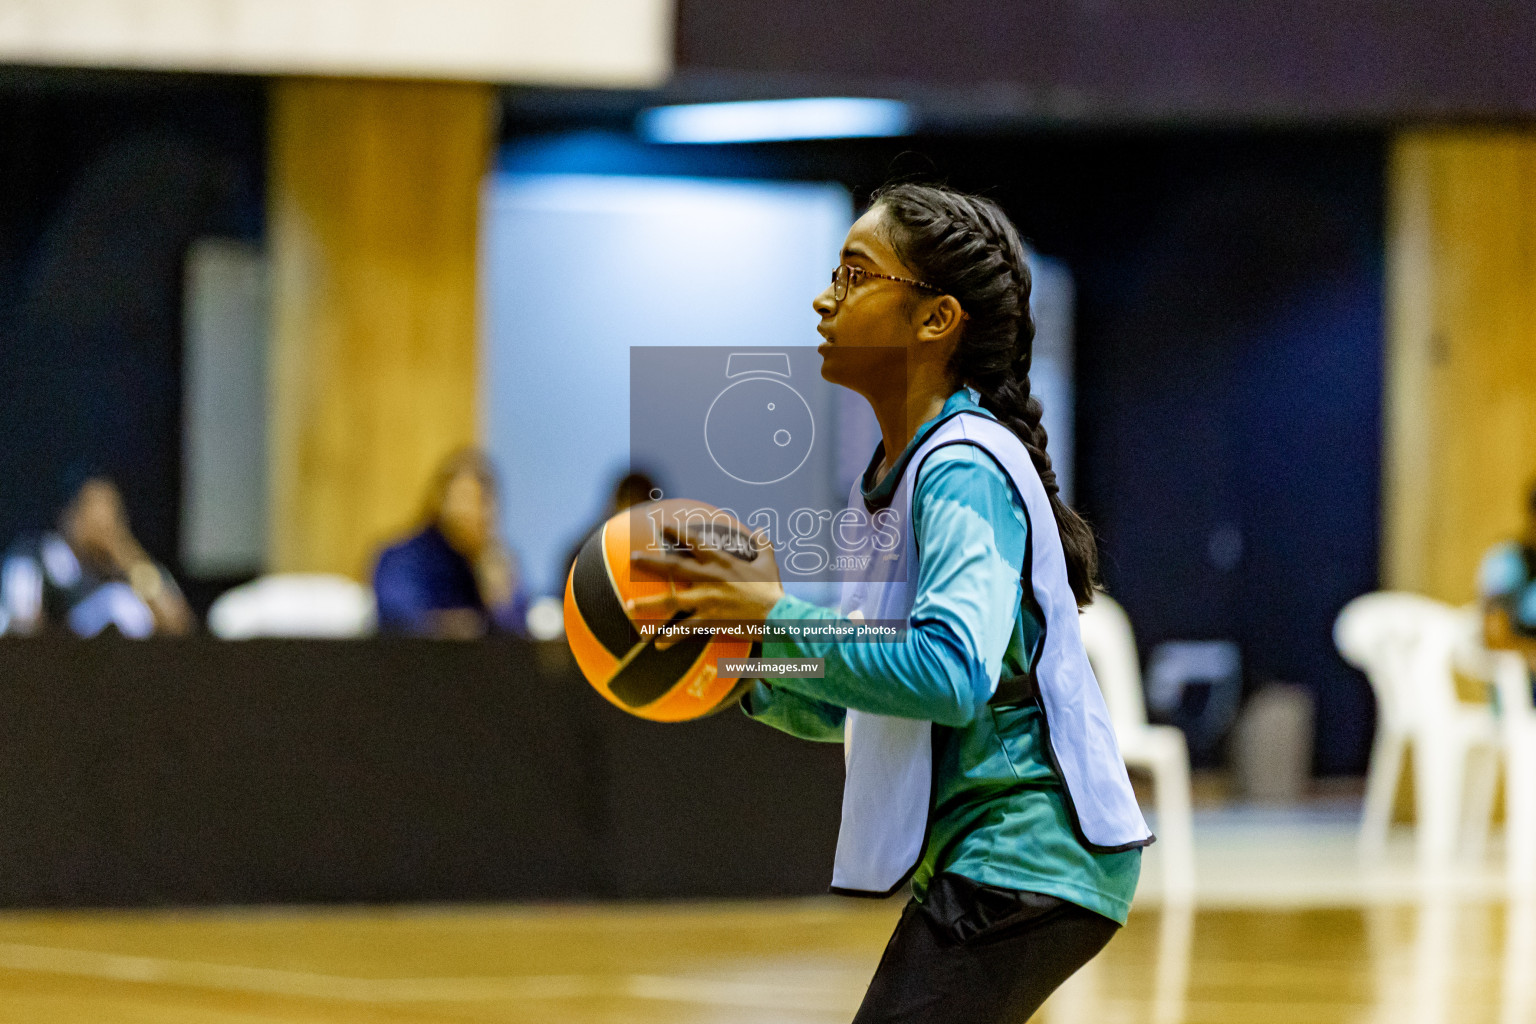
104, 180
1229, 408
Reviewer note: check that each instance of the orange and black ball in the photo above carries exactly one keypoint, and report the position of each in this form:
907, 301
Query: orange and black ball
672, 685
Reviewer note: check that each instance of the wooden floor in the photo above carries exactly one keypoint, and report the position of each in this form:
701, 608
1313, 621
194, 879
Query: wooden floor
1443, 962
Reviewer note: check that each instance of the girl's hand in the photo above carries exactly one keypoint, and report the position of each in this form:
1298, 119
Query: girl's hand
719, 585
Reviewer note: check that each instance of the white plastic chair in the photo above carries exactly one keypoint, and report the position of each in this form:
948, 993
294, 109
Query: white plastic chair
1518, 713
294, 605
1509, 675
1158, 749
1405, 644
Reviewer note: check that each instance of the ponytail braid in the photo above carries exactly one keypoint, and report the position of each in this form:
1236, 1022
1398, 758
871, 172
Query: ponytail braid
967, 246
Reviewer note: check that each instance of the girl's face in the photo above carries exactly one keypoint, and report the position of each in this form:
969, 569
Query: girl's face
876, 317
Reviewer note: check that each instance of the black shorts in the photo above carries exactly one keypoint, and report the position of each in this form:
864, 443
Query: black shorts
979, 954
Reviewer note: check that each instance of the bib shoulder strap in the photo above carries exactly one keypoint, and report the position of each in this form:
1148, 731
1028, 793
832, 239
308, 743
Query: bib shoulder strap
1013, 690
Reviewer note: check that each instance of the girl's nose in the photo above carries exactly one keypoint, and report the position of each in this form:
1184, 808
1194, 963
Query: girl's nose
823, 303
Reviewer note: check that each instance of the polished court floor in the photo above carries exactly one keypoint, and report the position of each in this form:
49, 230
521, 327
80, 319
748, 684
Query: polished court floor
1290, 927
788, 962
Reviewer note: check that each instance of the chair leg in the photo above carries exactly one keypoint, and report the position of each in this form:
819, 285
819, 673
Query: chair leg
1380, 790
1482, 783
1439, 773
1175, 821
1520, 817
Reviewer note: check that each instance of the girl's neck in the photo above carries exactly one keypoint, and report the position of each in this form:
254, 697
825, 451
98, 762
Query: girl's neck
901, 414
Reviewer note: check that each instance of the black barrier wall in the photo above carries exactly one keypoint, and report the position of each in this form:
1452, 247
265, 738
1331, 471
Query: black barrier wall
201, 772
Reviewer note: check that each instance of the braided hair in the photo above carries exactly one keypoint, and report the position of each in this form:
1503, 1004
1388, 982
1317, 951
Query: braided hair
967, 246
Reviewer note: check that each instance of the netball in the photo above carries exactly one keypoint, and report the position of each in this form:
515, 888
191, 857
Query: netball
620, 660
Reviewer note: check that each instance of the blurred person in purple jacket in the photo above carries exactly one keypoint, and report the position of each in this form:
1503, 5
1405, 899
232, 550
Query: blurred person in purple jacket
455, 577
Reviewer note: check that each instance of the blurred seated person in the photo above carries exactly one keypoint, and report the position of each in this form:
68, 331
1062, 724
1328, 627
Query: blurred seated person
1507, 585
90, 575
455, 577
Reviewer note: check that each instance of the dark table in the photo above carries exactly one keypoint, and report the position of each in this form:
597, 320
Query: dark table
204, 772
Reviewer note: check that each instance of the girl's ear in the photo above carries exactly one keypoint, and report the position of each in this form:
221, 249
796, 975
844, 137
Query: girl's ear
942, 319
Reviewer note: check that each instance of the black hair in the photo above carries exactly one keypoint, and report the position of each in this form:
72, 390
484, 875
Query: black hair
634, 488
967, 246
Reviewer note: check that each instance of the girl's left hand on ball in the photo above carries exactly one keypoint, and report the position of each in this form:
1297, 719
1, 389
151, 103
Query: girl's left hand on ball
710, 584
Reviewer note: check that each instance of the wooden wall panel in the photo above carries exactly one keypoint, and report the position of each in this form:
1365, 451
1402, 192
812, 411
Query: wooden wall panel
1461, 354
374, 206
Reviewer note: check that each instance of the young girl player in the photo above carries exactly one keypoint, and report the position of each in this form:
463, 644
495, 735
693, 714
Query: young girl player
981, 765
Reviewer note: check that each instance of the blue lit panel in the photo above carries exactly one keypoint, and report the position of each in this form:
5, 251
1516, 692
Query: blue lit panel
578, 268
776, 120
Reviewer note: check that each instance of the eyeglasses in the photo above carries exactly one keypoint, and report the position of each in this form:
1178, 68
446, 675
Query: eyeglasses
844, 276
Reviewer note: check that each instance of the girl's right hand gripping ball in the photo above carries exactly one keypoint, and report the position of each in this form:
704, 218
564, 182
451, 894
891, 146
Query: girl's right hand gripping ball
681, 682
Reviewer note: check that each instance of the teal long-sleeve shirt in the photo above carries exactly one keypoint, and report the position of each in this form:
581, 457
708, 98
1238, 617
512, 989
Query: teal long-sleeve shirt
999, 811
956, 641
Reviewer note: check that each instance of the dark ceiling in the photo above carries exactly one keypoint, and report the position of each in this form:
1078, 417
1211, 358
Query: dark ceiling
1112, 61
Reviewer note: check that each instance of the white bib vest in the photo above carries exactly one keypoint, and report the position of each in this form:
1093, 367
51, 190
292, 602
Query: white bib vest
888, 787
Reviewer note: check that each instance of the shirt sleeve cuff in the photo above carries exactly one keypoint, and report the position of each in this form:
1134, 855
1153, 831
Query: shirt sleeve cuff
755, 701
